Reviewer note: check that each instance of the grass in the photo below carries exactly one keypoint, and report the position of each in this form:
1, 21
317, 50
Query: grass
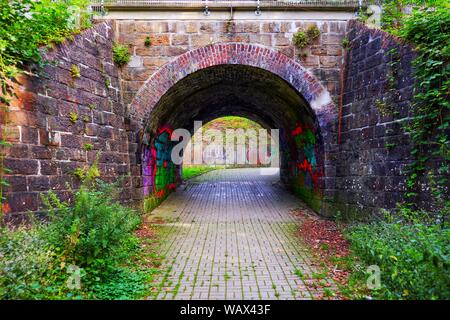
190, 172
299, 273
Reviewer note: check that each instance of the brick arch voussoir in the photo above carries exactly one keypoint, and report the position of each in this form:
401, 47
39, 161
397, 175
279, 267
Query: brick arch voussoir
247, 54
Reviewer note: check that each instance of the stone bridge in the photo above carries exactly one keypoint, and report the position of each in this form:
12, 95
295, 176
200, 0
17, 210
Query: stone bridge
237, 59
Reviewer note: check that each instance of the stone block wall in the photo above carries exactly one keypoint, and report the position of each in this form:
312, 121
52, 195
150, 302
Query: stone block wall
374, 149
170, 39
61, 120
77, 107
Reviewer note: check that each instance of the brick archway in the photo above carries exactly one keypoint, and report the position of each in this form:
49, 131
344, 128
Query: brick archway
239, 54
198, 76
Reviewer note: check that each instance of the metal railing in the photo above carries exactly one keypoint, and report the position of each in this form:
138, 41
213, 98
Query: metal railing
101, 5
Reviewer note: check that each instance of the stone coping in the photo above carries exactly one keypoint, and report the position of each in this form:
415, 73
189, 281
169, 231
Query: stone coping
131, 5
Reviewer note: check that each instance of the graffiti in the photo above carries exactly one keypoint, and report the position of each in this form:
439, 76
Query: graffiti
158, 170
304, 165
305, 154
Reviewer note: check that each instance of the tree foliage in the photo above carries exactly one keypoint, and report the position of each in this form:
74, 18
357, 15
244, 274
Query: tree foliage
27, 27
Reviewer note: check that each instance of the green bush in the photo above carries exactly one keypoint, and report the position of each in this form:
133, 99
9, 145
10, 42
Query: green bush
26, 27
429, 29
300, 39
24, 261
312, 32
94, 231
121, 56
413, 259
394, 11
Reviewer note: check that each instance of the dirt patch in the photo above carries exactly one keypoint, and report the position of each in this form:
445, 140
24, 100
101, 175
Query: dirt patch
146, 231
149, 242
326, 240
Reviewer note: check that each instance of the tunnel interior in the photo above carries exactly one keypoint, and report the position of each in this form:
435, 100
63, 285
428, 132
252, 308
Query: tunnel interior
235, 90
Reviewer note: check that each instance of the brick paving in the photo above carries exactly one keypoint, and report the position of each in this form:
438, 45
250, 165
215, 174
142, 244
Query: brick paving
231, 236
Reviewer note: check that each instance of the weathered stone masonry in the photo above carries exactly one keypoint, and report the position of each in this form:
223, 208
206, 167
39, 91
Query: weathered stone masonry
170, 39
47, 144
358, 176
374, 149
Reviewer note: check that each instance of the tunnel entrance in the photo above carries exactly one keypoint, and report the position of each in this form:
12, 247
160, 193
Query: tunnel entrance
294, 106
211, 139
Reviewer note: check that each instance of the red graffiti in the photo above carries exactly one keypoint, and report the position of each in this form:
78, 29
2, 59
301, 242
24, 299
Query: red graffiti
171, 186
6, 208
306, 166
304, 141
297, 131
165, 129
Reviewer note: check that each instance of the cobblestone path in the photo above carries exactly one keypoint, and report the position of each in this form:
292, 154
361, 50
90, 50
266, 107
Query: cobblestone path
231, 236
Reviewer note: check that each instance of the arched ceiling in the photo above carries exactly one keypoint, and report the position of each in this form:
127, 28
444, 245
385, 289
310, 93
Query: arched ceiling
230, 90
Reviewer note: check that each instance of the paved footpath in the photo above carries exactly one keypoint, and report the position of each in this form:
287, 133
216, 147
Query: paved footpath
232, 237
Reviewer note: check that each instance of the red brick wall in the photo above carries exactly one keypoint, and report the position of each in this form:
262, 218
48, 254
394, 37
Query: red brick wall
47, 145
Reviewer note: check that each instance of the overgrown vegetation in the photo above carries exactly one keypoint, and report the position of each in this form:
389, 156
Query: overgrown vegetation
430, 30
121, 56
147, 42
413, 258
27, 29
86, 249
411, 247
302, 38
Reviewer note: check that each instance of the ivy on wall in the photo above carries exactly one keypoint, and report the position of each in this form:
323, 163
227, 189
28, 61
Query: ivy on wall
426, 24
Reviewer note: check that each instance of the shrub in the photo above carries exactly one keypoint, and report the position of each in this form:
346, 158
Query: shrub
121, 56
300, 39
94, 231
148, 42
74, 71
26, 25
24, 261
413, 258
312, 32
430, 121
